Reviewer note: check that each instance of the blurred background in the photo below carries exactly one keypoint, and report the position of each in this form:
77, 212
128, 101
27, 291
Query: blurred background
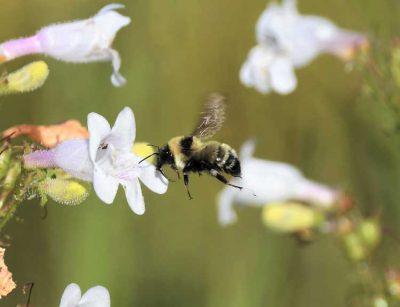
174, 54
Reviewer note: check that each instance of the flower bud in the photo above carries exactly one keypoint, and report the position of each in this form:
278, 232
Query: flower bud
290, 217
66, 192
355, 248
370, 232
393, 282
380, 301
26, 79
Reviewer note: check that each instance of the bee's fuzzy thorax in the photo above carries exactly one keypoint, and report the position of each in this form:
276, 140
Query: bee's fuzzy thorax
195, 154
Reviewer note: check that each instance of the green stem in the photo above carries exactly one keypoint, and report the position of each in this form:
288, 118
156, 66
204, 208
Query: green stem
19, 195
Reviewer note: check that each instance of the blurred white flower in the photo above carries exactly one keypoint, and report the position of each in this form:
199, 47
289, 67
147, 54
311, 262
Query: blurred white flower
266, 71
79, 41
288, 40
266, 182
97, 296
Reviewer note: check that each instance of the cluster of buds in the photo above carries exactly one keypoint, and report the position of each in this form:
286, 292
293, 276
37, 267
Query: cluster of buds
20, 181
360, 239
359, 235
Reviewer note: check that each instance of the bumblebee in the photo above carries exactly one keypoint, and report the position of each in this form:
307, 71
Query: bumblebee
194, 154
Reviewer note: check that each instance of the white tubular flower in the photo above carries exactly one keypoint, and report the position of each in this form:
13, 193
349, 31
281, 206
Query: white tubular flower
106, 159
97, 296
114, 163
266, 72
73, 157
292, 40
265, 182
81, 41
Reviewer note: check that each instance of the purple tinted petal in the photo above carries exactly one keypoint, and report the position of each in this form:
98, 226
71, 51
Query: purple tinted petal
40, 159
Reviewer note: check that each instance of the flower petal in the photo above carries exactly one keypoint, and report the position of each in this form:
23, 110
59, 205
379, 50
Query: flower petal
71, 296
110, 7
245, 74
316, 193
124, 131
265, 181
134, 196
116, 78
247, 149
96, 297
290, 6
345, 44
99, 128
283, 78
255, 71
105, 186
152, 178
226, 214
73, 157
108, 22
40, 159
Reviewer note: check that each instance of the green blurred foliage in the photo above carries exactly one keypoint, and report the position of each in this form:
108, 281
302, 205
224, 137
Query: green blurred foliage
174, 53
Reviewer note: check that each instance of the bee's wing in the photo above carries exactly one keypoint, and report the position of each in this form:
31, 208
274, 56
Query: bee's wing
212, 117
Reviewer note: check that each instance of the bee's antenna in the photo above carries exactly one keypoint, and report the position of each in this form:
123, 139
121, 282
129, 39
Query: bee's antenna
250, 190
154, 153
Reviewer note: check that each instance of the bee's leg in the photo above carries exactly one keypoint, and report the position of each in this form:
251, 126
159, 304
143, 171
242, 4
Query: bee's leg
186, 169
173, 166
221, 178
186, 182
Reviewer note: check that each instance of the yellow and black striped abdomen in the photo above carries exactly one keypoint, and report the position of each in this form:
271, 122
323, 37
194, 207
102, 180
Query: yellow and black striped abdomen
191, 154
222, 156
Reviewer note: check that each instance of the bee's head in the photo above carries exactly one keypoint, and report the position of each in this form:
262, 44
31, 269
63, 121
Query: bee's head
164, 156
